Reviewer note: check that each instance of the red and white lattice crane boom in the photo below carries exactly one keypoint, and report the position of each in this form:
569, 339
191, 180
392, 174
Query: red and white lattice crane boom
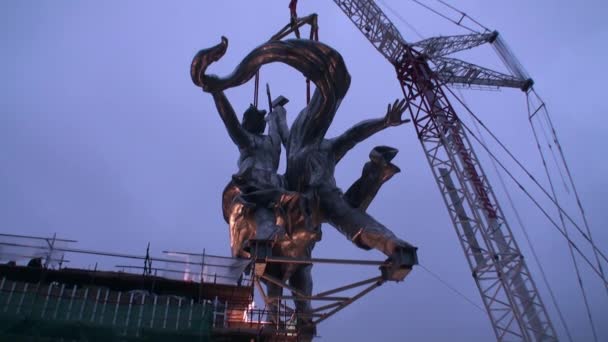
507, 289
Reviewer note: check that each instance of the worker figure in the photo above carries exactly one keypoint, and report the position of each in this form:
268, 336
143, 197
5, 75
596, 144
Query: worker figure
325, 202
318, 180
258, 162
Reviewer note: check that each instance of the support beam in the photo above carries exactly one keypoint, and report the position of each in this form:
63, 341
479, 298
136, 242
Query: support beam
347, 302
351, 286
458, 72
444, 45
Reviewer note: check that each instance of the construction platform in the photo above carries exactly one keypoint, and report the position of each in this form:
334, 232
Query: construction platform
191, 297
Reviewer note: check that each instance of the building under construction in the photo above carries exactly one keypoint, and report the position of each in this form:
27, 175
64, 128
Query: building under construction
45, 300
179, 296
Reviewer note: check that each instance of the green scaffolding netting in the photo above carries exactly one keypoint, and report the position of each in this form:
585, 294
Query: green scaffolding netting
74, 315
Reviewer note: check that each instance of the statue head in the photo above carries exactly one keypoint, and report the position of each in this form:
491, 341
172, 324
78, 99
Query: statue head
253, 120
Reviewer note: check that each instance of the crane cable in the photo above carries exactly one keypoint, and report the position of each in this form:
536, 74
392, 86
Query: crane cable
256, 86
571, 244
563, 159
538, 206
463, 14
506, 52
553, 132
524, 189
563, 223
525, 232
600, 253
452, 288
459, 22
548, 141
401, 19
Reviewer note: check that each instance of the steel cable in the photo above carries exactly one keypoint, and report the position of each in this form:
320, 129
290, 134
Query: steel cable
446, 284
526, 192
464, 14
538, 206
401, 18
553, 156
527, 237
600, 253
570, 178
458, 23
563, 223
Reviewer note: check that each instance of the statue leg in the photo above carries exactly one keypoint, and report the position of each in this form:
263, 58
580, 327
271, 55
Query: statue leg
248, 225
236, 214
254, 215
302, 281
375, 173
273, 291
356, 225
241, 229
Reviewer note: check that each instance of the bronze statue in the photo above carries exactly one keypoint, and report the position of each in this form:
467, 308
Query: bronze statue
318, 181
288, 211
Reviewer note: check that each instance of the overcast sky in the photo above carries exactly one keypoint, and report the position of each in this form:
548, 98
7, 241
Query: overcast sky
104, 139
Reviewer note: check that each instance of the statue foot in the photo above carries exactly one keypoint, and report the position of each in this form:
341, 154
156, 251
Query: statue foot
400, 263
306, 330
383, 154
381, 157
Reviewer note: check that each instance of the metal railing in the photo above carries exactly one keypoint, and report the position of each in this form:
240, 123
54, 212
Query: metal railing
49, 252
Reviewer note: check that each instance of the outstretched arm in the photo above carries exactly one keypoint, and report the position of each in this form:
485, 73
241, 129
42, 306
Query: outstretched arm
367, 128
237, 133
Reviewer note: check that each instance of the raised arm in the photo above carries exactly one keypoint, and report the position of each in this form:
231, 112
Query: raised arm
281, 122
237, 133
367, 128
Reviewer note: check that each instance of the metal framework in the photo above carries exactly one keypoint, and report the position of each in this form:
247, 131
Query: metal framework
460, 73
509, 294
333, 300
446, 45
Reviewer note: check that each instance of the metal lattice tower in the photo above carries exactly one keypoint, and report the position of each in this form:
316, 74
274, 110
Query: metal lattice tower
509, 294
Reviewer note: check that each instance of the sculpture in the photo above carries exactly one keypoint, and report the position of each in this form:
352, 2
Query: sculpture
287, 212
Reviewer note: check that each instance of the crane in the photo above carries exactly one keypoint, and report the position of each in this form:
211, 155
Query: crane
508, 292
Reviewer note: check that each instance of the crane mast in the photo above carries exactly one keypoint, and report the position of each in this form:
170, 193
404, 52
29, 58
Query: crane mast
507, 289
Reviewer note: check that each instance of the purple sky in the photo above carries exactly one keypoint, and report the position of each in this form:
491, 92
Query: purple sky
104, 139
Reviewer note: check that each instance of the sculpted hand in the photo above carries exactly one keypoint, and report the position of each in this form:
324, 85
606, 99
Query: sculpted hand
210, 83
394, 113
